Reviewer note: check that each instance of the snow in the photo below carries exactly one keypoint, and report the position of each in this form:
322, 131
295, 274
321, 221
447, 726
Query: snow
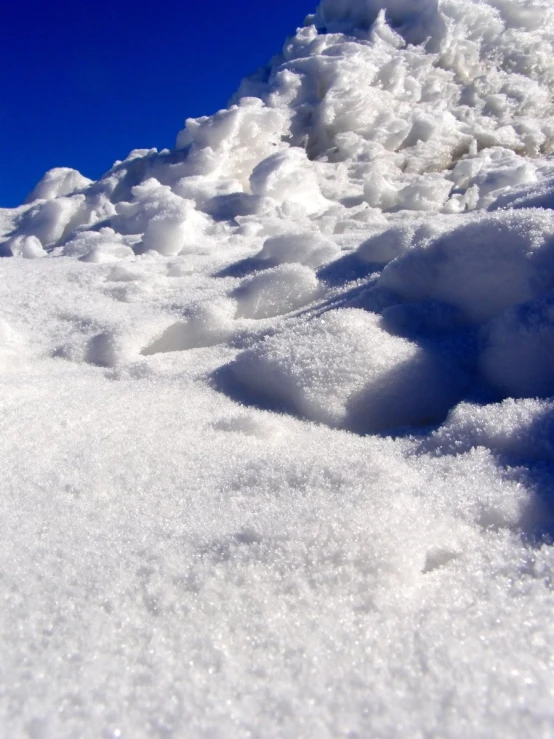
344, 370
277, 405
58, 181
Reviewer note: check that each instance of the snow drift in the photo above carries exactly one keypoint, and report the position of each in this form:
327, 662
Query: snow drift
277, 404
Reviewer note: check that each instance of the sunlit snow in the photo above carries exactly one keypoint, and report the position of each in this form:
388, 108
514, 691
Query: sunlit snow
277, 405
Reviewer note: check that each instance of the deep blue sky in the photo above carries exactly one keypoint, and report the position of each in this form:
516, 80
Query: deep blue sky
82, 83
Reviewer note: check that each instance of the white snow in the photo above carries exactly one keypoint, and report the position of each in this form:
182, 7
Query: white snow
278, 405
58, 181
344, 370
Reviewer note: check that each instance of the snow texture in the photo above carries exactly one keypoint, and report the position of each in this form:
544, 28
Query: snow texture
277, 422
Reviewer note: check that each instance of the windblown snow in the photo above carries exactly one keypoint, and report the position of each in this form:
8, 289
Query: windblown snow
278, 405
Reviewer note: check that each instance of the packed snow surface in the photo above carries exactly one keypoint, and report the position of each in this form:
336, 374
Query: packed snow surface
278, 405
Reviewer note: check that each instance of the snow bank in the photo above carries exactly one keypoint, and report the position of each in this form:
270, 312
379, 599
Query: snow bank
277, 405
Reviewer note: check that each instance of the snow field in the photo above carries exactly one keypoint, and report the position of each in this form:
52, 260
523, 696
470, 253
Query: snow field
277, 413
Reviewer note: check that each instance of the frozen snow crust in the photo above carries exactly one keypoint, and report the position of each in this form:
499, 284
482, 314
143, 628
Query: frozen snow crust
278, 405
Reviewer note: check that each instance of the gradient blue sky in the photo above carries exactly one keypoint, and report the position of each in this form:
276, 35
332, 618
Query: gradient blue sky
83, 83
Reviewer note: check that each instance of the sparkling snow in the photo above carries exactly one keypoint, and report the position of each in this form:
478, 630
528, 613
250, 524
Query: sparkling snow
277, 424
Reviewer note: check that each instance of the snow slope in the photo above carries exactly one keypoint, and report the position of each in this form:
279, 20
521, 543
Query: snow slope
277, 405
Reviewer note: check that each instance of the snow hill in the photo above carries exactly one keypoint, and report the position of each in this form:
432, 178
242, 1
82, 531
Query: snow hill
277, 405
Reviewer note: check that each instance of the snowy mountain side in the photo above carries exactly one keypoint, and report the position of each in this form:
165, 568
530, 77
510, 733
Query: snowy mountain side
278, 404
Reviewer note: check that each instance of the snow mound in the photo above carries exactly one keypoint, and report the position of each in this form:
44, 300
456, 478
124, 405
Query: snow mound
277, 416
519, 357
345, 371
206, 324
58, 182
483, 266
309, 249
276, 291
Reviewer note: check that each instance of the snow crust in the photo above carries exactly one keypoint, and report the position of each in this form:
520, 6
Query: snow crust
277, 405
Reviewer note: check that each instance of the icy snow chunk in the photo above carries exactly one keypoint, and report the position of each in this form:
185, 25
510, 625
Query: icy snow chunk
492, 173
537, 194
416, 18
105, 253
28, 247
472, 83
309, 249
411, 192
343, 370
50, 220
482, 266
288, 176
174, 228
426, 192
236, 204
519, 357
91, 345
169, 224
407, 192
531, 16
379, 191
276, 291
202, 189
231, 142
56, 182
97, 247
